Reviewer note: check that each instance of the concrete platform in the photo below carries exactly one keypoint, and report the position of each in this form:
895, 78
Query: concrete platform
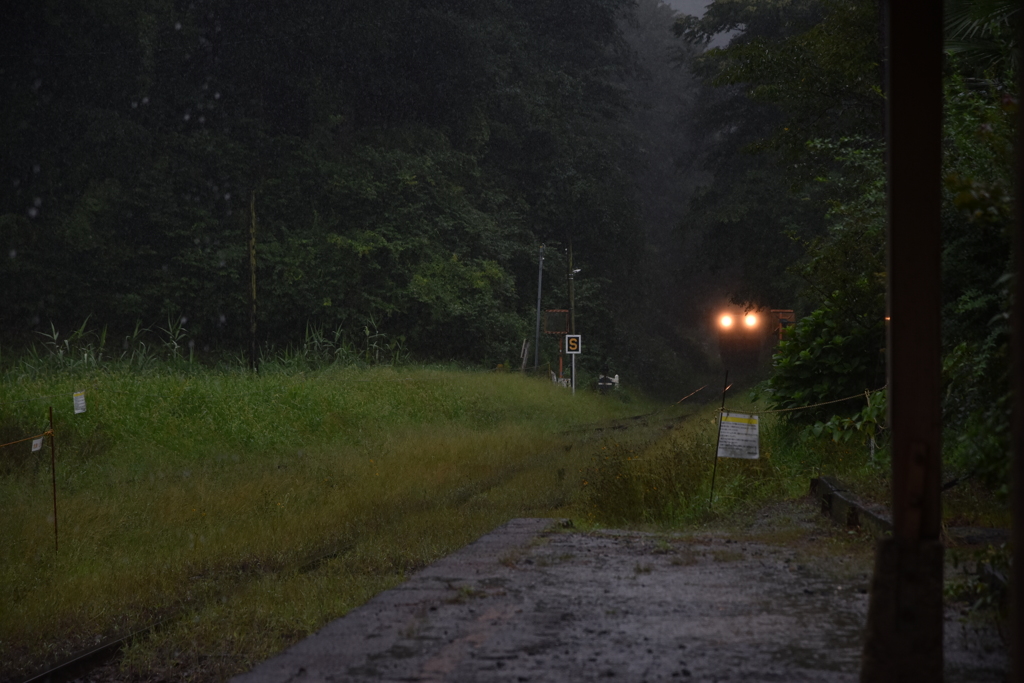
534, 602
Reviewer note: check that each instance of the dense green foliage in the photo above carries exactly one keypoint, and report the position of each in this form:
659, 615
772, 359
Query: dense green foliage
977, 272
982, 33
827, 357
806, 82
792, 72
253, 510
837, 351
402, 162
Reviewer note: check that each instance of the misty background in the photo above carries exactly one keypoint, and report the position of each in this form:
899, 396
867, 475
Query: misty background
400, 164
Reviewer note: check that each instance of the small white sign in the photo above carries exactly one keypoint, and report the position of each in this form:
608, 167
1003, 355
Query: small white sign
738, 436
79, 402
37, 444
573, 343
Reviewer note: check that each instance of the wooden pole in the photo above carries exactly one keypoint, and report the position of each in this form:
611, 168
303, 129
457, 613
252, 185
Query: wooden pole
536, 333
53, 481
254, 361
572, 293
904, 632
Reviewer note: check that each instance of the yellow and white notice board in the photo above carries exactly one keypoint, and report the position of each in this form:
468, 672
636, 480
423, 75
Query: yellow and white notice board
738, 436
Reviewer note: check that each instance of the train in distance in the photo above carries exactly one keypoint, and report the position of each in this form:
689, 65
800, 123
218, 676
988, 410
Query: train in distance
745, 334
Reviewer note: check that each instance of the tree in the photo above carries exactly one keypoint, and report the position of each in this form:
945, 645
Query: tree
795, 72
406, 159
981, 35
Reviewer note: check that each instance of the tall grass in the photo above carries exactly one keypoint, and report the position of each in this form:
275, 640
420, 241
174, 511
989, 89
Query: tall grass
208, 491
664, 478
255, 508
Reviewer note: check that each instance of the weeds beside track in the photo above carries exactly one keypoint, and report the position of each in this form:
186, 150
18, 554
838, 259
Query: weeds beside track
256, 509
204, 493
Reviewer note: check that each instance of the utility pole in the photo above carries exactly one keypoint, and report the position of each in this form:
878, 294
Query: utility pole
904, 631
572, 310
572, 293
536, 334
254, 361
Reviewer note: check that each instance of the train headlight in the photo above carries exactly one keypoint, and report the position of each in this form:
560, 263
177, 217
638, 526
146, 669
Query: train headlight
750, 320
725, 321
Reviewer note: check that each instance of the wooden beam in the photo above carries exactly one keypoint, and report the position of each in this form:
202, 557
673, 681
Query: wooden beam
904, 634
914, 253
1017, 386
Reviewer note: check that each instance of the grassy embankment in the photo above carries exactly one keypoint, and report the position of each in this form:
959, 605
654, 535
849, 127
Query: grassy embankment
664, 477
209, 494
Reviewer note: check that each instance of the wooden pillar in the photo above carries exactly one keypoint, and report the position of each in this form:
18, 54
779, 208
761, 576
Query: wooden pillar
904, 631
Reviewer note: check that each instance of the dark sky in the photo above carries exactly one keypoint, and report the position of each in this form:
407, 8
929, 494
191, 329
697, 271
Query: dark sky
695, 7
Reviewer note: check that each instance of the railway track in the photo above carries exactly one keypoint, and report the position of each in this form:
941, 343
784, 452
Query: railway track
86, 661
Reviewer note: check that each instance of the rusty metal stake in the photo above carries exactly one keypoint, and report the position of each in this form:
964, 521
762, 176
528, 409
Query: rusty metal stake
53, 479
721, 412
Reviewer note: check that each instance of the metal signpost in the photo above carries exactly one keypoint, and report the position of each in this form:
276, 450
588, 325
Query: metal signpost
738, 436
573, 345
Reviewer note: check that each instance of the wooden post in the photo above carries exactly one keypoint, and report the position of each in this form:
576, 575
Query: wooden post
572, 293
536, 334
254, 361
904, 631
1017, 387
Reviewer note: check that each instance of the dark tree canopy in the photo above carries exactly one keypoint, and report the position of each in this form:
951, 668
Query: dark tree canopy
406, 159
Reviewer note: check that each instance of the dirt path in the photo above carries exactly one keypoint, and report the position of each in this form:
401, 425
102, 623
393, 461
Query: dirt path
781, 599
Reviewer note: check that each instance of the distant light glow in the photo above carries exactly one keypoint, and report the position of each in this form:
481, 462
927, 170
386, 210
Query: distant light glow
750, 320
726, 321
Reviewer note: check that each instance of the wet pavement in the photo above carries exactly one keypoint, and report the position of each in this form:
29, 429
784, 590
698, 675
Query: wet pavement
533, 601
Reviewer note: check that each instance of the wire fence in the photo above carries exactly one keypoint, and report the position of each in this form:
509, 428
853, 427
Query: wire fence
864, 394
34, 439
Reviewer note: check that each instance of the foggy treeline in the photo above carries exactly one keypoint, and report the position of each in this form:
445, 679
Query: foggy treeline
404, 162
